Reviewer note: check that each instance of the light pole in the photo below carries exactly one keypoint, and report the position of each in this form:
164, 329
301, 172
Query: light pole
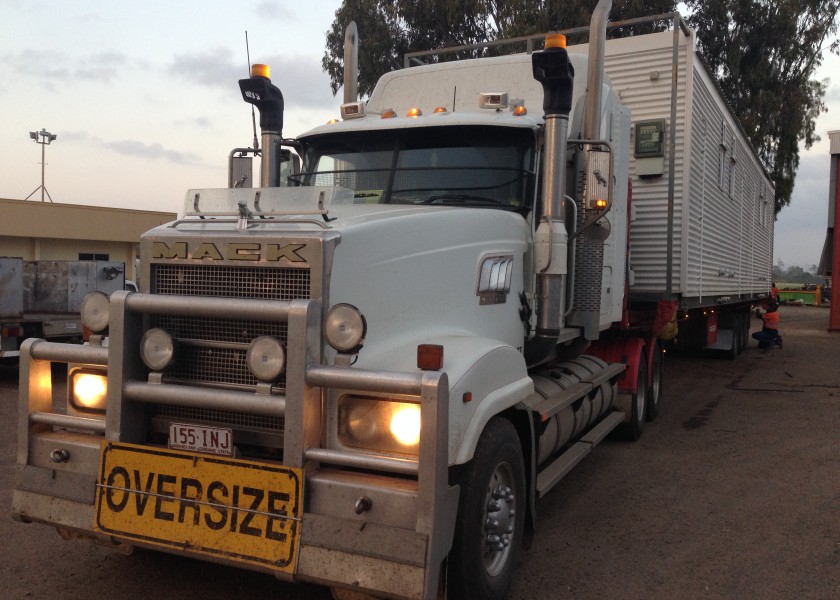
44, 138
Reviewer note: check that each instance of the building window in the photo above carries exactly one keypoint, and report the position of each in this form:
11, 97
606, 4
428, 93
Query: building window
92, 256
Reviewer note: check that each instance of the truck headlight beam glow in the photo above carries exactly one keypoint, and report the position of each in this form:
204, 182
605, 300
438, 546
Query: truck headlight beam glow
89, 390
379, 424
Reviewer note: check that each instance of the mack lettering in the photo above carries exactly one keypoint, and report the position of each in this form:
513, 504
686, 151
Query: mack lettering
241, 251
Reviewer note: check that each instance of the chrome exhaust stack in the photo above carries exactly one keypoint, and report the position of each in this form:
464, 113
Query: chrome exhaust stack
589, 247
351, 63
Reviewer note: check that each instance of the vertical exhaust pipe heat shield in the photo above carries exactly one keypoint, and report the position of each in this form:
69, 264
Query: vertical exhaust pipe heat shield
553, 69
259, 91
351, 63
589, 264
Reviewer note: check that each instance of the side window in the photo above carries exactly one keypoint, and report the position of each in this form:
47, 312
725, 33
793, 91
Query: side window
92, 256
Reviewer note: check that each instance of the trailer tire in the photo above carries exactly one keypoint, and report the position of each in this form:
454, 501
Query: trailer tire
655, 382
632, 430
491, 516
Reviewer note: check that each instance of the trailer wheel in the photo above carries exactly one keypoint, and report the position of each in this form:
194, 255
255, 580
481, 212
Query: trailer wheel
491, 516
655, 382
632, 430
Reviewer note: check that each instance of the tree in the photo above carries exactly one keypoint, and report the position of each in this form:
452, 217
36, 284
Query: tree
764, 54
388, 29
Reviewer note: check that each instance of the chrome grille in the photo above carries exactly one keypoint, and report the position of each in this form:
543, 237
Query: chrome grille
232, 282
214, 365
224, 417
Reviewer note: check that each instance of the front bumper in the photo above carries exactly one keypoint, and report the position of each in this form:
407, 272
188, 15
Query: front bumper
371, 523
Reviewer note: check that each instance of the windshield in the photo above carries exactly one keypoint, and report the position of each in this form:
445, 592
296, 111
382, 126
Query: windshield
459, 165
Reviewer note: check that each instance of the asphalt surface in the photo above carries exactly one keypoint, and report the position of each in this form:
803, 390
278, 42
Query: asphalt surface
732, 493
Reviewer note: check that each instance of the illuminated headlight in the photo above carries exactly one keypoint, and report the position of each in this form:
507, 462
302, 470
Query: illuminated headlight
89, 390
345, 328
379, 424
266, 358
95, 311
157, 349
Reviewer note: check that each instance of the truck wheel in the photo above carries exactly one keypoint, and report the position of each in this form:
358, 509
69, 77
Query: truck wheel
491, 516
632, 430
655, 382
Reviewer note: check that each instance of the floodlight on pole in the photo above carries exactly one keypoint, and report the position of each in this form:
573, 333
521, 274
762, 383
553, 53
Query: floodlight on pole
45, 138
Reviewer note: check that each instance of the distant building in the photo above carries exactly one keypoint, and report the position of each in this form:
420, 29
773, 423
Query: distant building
50, 231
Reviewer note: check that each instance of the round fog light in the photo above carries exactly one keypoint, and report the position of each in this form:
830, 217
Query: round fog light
266, 358
95, 311
345, 328
157, 349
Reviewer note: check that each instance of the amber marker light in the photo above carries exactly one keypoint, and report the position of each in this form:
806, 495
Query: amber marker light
600, 203
440, 109
388, 113
555, 40
414, 112
430, 357
332, 121
520, 111
260, 70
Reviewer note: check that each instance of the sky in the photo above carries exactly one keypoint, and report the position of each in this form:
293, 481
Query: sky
143, 97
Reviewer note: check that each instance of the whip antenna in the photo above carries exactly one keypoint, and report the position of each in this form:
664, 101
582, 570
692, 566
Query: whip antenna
253, 116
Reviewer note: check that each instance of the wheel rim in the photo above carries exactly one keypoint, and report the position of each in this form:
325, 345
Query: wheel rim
499, 519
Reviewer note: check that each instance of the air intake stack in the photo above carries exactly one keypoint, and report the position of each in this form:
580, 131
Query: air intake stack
259, 91
555, 72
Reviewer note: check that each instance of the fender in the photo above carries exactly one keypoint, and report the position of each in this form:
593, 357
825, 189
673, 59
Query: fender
627, 350
486, 378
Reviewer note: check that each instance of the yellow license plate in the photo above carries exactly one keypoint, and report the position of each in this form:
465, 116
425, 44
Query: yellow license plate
217, 506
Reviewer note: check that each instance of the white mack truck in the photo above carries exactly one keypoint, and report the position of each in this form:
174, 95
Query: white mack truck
365, 371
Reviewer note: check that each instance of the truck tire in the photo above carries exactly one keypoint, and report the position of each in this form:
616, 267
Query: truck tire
491, 516
632, 430
655, 382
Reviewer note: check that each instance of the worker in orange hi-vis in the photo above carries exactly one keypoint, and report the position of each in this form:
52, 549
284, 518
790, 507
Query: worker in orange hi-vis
774, 292
769, 334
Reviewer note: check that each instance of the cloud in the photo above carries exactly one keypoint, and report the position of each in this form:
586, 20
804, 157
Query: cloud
276, 11
214, 68
134, 148
51, 66
303, 83
800, 228
300, 79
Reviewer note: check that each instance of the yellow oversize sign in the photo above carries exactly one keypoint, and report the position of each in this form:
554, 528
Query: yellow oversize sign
237, 509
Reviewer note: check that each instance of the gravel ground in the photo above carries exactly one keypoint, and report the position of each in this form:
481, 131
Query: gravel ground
732, 493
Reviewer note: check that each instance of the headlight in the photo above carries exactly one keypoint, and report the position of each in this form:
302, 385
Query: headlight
95, 311
157, 349
266, 358
379, 424
89, 390
345, 328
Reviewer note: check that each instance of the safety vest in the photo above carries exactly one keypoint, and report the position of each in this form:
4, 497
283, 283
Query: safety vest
771, 320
